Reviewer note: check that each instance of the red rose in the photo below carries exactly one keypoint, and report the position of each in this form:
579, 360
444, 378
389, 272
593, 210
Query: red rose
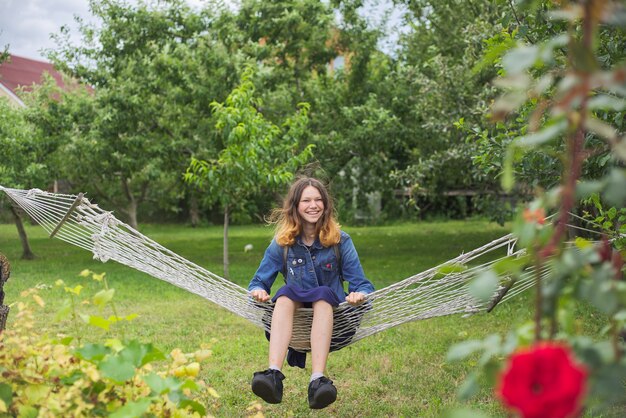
543, 382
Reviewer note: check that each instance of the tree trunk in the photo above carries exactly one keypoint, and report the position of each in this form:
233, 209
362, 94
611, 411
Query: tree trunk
27, 254
194, 211
226, 220
131, 210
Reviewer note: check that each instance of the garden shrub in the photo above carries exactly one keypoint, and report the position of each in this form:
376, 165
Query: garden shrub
57, 375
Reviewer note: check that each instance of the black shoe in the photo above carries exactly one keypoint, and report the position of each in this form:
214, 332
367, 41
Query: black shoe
268, 385
322, 393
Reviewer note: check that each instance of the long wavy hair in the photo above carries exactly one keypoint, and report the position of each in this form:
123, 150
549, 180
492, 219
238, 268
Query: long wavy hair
288, 221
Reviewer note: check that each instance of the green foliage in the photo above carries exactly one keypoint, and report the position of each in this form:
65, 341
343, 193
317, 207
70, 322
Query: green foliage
537, 40
295, 37
23, 154
555, 88
154, 72
381, 123
434, 89
257, 155
611, 220
49, 376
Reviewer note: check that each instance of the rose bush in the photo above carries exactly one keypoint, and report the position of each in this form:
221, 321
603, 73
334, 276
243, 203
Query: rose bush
571, 100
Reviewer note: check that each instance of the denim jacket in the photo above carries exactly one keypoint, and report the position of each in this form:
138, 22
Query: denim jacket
308, 269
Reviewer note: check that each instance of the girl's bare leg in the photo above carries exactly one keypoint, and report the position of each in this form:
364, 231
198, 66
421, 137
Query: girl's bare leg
281, 330
321, 332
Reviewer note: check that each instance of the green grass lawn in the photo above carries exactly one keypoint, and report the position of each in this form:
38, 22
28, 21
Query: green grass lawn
399, 372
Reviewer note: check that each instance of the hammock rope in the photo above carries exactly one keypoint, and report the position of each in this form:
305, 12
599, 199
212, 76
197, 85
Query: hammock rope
441, 290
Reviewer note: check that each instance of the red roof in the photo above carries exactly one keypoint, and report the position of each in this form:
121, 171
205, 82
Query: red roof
24, 72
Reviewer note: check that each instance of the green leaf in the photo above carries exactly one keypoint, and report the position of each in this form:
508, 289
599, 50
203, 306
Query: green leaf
160, 385
27, 411
510, 265
98, 321
492, 344
469, 387
6, 393
615, 192
134, 353
103, 297
585, 189
601, 128
74, 290
93, 352
461, 350
36, 393
132, 409
193, 405
190, 384
605, 102
570, 14
519, 59
620, 316
541, 137
140, 354
64, 313
582, 243
117, 369
465, 413
66, 340
508, 178
484, 286
72, 378
451, 268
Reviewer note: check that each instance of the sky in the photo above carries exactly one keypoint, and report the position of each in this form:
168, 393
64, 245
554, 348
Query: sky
26, 25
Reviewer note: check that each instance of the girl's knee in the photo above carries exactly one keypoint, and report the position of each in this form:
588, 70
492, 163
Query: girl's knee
284, 301
322, 305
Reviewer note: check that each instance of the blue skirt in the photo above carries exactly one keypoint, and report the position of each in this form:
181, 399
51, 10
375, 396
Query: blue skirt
307, 297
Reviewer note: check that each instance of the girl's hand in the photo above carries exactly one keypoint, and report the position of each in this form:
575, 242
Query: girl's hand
260, 295
355, 298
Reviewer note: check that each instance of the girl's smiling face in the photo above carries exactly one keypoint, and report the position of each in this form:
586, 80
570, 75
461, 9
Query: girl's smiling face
311, 205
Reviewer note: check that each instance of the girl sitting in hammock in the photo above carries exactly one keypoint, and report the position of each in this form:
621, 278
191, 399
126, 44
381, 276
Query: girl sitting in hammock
314, 256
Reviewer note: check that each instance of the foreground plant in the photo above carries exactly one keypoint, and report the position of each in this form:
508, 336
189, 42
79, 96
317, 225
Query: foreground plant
549, 368
50, 376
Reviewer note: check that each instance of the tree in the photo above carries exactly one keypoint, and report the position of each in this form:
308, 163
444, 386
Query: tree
535, 169
436, 83
295, 38
154, 71
23, 161
257, 155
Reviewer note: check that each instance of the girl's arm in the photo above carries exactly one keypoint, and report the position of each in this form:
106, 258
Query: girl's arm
351, 268
265, 275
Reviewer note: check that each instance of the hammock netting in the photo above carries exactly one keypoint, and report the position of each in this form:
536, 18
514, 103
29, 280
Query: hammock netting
441, 290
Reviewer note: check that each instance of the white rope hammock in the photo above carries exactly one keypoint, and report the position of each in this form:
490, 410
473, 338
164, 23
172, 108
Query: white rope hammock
428, 294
